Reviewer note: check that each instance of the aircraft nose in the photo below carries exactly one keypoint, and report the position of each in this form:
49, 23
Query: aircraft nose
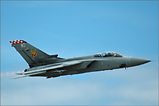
137, 61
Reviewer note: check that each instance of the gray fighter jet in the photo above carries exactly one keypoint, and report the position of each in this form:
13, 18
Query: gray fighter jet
42, 64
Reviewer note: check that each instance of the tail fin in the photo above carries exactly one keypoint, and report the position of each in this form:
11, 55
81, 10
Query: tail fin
31, 54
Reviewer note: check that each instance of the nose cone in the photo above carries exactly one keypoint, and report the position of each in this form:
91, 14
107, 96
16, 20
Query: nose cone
137, 61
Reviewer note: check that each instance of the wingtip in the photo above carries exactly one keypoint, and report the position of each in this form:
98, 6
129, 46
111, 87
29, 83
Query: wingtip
19, 77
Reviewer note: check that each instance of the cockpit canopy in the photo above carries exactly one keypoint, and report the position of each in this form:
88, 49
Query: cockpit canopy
108, 54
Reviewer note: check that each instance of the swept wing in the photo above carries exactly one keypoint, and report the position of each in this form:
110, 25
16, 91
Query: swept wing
45, 68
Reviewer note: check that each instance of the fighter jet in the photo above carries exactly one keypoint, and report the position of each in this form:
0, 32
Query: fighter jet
45, 65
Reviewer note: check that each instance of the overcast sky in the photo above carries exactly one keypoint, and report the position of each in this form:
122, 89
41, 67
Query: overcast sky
78, 28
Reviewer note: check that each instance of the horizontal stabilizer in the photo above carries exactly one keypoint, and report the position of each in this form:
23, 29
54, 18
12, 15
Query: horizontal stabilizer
34, 72
52, 67
29, 73
20, 77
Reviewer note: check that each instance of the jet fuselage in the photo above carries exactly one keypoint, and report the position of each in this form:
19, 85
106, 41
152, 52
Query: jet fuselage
42, 64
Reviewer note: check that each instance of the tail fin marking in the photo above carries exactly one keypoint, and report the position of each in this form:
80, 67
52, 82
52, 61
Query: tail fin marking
17, 42
32, 55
